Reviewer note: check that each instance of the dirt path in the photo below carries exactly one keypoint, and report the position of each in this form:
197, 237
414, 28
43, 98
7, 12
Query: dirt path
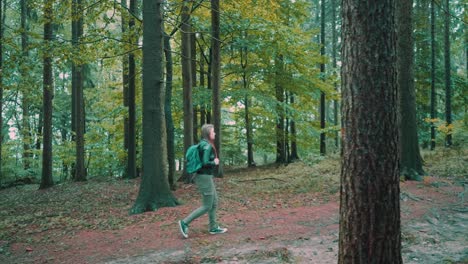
434, 229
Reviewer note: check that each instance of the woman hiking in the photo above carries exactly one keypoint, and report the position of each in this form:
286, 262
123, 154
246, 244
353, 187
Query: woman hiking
205, 184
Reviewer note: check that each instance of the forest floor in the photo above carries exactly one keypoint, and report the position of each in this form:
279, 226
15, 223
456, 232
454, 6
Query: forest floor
274, 215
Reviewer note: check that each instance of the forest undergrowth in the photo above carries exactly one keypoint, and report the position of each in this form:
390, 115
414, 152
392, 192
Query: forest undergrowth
33, 220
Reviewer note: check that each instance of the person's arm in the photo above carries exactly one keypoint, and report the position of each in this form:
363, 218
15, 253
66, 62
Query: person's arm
206, 162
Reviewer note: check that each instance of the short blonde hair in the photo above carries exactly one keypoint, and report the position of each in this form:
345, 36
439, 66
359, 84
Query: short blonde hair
205, 131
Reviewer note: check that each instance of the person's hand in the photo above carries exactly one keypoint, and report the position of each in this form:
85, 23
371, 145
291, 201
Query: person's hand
216, 161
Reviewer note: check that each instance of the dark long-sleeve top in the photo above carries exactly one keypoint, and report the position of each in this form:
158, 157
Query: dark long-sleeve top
208, 156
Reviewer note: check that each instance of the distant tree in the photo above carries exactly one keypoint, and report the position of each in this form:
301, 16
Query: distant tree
131, 153
186, 78
281, 157
26, 102
168, 112
334, 65
323, 146
1, 89
370, 194
48, 95
433, 77
293, 135
216, 78
244, 64
125, 80
410, 157
448, 77
193, 71
78, 121
154, 189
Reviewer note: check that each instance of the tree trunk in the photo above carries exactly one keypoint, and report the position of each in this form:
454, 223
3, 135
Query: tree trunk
40, 123
248, 126
335, 84
202, 84
48, 94
187, 80
433, 77
448, 77
294, 155
25, 127
125, 81
154, 188
131, 156
280, 138
410, 157
168, 112
193, 71
1, 89
77, 87
369, 197
323, 149
216, 79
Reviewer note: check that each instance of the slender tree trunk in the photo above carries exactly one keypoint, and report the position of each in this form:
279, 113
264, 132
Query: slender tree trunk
210, 84
131, 156
40, 123
48, 94
286, 129
280, 139
248, 126
410, 157
154, 188
433, 89
25, 127
335, 84
187, 80
1, 89
125, 78
125, 81
370, 194
77, 87
216, 79
202, 84
448, 77
294, 155
168, 113
193, 71
323, 149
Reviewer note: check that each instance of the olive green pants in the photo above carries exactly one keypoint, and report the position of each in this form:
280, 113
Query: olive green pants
207, 189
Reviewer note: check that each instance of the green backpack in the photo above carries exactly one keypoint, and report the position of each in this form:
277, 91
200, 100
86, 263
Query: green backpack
192, 156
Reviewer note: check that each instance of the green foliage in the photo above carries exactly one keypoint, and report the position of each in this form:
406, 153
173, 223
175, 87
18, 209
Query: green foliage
449, 163
253, 34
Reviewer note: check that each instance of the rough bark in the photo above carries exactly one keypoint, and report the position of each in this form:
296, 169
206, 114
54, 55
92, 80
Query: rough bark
369, 196
216, 79
410, 158
48, 94
168, 113
154, 189
186, 79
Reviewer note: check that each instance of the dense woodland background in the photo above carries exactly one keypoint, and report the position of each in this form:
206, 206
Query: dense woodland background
279, 88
